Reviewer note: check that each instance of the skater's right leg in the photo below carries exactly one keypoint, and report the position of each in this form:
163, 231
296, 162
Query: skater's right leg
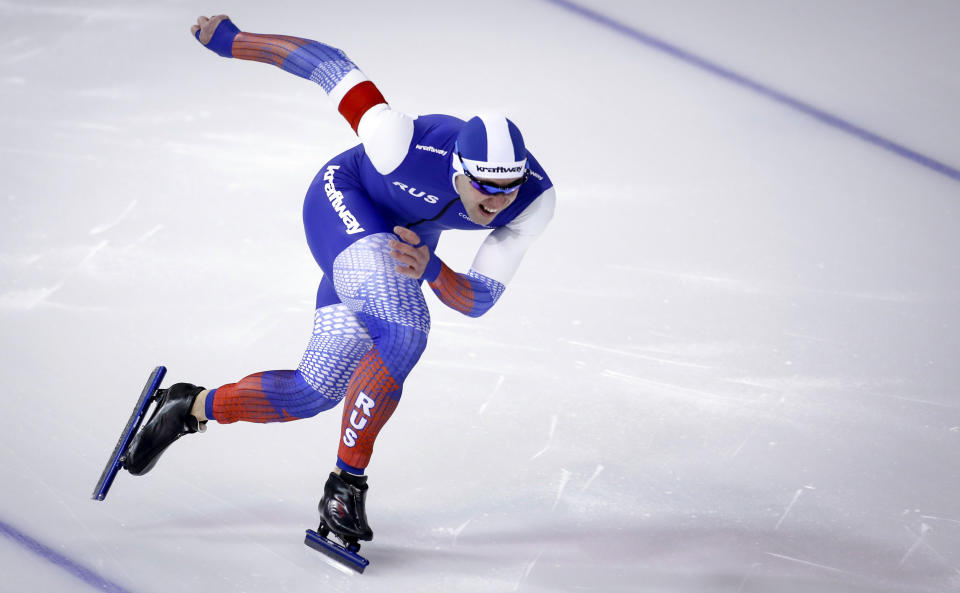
395, 313
349, 239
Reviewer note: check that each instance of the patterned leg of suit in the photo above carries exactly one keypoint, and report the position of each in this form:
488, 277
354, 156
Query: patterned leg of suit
339, 342
395, 313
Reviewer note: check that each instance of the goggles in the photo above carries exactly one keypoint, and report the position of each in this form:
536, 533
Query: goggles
489, 188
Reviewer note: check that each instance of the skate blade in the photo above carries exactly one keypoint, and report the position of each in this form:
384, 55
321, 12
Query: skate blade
336, 551
115, 461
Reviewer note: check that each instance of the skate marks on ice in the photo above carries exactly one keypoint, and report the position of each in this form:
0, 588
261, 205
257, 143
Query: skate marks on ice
637, 355
554, 548
74, 273
924, 528
104, 227
669, 553
29, 299
921, 542
564, 480
454, 532
671, 389
552, 432
812, 564
691, 278
936, 518
527, 569
796, 497
743, 443
493, 393
594, 476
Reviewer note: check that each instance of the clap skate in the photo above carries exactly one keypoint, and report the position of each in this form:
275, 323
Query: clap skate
343, 513
171, 419
138, 452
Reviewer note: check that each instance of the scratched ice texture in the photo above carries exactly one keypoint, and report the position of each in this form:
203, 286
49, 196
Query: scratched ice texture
729, 365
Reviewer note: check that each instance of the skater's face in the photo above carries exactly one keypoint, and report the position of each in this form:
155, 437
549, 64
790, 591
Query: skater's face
481, 207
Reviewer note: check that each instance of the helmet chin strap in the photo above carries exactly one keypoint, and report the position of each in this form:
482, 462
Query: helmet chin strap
457, 169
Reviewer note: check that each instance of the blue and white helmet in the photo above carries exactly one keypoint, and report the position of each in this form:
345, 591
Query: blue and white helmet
490, 146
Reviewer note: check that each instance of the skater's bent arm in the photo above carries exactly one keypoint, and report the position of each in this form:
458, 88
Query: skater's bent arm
473, 294
385, 133
497, 260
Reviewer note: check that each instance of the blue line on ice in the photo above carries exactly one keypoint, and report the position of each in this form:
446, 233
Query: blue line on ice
49, 554
762, 89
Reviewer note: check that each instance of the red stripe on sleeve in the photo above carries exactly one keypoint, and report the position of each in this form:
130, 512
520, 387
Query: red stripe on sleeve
358, 101
454, 290
269, 49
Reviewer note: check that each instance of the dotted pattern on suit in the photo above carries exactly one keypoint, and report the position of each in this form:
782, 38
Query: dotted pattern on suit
339, 342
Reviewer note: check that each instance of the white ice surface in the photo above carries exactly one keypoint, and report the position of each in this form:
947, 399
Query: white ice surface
729, 365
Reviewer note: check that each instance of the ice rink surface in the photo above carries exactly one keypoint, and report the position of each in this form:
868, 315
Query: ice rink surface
729, 365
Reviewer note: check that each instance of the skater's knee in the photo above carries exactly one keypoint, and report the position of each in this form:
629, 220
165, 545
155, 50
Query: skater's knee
400, 347
315, 397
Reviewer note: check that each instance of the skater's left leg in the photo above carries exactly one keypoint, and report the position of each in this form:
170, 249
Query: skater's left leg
338, 343
268, 396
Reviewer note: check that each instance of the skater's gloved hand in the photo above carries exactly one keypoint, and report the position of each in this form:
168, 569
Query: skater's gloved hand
414, 258
216, 33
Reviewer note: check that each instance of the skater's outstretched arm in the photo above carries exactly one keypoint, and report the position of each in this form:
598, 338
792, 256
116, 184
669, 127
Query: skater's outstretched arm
385, 133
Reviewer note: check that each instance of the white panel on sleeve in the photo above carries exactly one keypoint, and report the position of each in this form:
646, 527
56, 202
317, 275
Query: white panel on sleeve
500, 254
352, 79
386, 135
535, 217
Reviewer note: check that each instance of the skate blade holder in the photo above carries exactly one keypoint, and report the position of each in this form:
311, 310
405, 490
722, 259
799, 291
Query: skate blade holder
347, 556
117, 458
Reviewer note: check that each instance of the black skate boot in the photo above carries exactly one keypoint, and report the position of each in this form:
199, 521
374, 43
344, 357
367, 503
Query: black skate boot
171, 419
343, 509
